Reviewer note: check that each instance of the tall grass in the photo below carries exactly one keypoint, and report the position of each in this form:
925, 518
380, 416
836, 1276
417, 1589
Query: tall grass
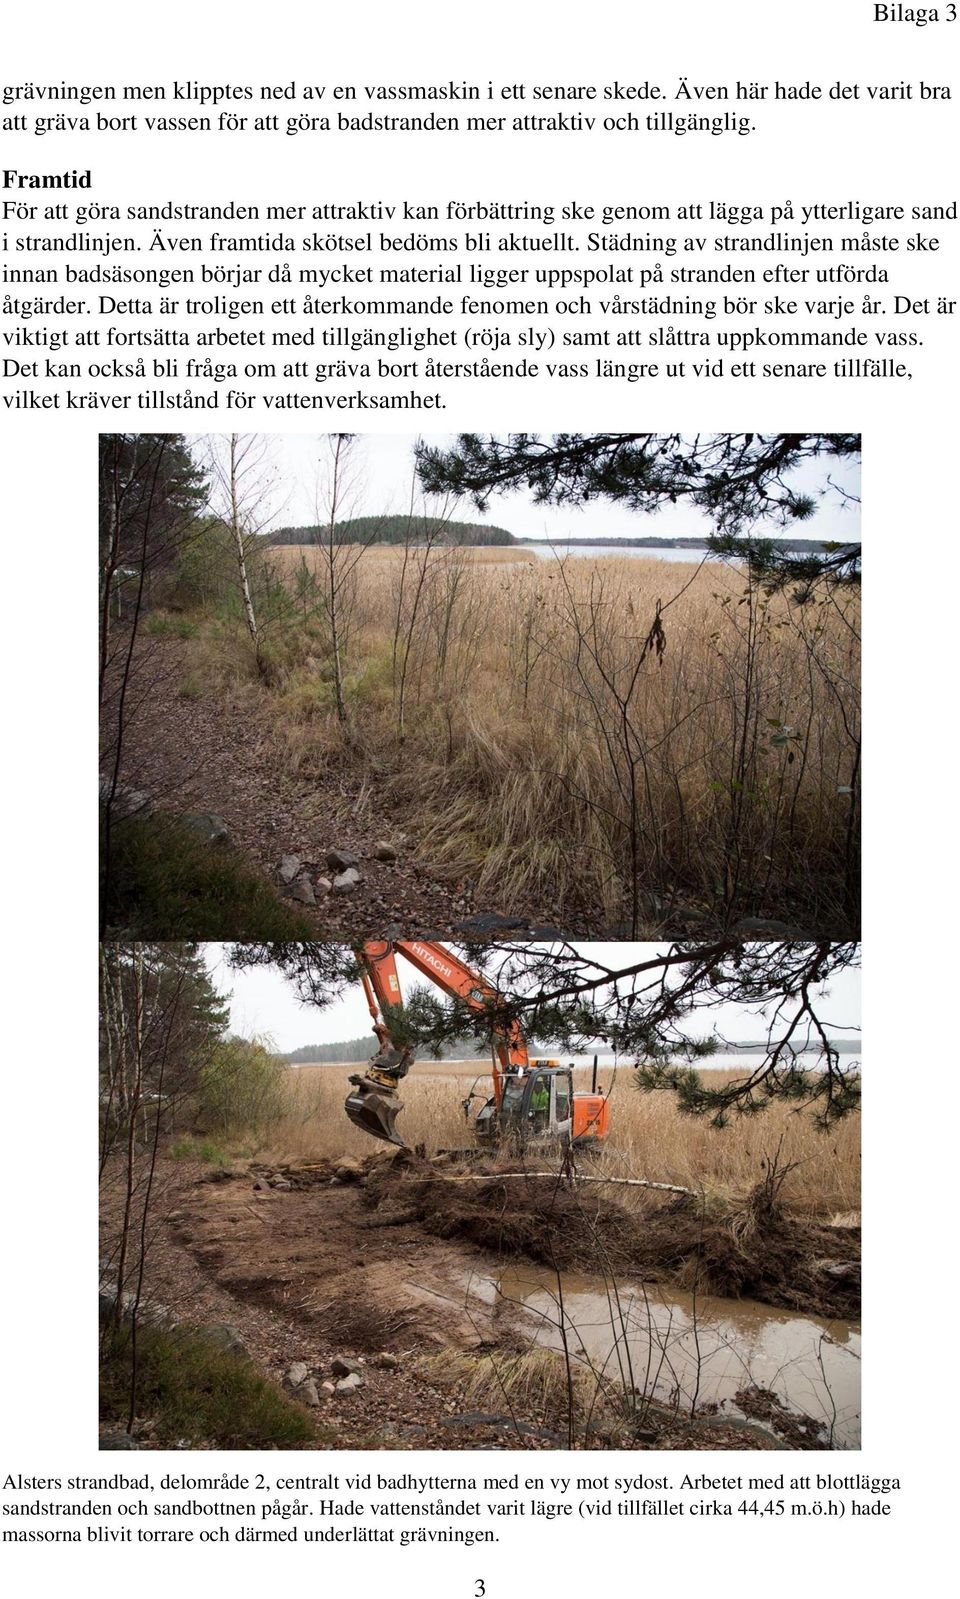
649, 1137
620, 737
286, 558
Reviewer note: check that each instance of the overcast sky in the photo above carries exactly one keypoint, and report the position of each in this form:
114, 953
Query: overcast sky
263, 1002
388, 467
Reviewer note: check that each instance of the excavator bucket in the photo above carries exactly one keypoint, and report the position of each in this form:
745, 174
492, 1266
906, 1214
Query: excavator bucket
374, 1110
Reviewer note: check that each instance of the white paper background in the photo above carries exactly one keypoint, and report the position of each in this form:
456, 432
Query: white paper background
832, 152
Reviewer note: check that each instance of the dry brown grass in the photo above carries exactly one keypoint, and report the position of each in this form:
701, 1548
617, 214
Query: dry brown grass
535, 1378
287, 558
649, 1138
543, 763
539, 754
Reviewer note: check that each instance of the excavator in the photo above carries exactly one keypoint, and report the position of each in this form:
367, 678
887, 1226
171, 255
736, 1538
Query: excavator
533, 1101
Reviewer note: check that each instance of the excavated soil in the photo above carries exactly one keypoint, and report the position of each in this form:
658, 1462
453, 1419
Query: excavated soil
312, 1252
754, 1250
374, 1260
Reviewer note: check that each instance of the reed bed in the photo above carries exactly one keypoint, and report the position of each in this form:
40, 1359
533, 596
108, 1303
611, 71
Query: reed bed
649, 1137
618, 738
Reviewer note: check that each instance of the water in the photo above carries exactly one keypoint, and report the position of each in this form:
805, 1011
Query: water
724, 1060
547, 552
673, 1349
454, 1072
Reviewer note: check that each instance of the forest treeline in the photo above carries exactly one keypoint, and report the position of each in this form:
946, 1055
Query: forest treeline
352, 1049
395, 530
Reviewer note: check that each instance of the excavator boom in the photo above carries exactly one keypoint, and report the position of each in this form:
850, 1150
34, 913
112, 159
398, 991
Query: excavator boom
535, 1097
373, 1105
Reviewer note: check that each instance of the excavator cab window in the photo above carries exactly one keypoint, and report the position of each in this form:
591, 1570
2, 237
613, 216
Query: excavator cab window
511, 1108
563, 1096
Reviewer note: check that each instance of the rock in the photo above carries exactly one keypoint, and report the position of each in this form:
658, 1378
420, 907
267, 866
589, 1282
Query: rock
281, 1183
349, 1385
296, 1374
340, 860
126, 801
225, 1338
490, 922
213, 828
322, 885
345, 1366
307, 1392
507, 1424
261, 1184
117, 1440
302, 890
382, 851
151, 1314
289, 867
655, 912
764, 1438
602, 1427
346, 882
328, 1387
348, 1170
843, 1271
385, 1361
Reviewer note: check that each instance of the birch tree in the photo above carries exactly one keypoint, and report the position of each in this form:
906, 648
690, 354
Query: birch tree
244, 491
338, 490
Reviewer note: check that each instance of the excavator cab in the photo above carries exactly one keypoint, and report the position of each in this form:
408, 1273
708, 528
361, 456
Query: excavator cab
538, 1105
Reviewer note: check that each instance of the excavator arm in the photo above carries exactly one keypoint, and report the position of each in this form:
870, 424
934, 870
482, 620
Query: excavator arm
373, 1104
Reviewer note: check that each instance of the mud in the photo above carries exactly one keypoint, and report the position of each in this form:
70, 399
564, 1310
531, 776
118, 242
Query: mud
392, 1254
754, 1250
307, 1248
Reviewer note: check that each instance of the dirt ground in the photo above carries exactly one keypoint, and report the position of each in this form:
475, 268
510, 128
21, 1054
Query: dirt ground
211, 754
374, 1261
750, 1250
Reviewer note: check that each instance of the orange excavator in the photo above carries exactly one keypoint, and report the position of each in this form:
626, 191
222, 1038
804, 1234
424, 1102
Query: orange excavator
533, 1100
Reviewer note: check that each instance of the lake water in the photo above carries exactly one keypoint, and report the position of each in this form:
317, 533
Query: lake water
548, 552
453, 1071
723, 1061
693, 1352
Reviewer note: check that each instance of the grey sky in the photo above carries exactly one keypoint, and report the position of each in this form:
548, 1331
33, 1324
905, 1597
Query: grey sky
263, 1002
388, 465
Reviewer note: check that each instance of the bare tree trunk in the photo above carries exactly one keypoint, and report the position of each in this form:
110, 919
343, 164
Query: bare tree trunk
237, 529
134, 1090
333, 598
335, 491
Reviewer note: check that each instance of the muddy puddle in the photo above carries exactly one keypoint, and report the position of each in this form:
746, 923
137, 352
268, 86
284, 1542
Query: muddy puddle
699, 1352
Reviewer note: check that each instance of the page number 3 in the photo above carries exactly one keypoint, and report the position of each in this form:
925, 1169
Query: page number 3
479, 1588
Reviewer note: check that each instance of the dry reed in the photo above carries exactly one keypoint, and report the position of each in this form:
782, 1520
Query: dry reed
649, 1138
538, 735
